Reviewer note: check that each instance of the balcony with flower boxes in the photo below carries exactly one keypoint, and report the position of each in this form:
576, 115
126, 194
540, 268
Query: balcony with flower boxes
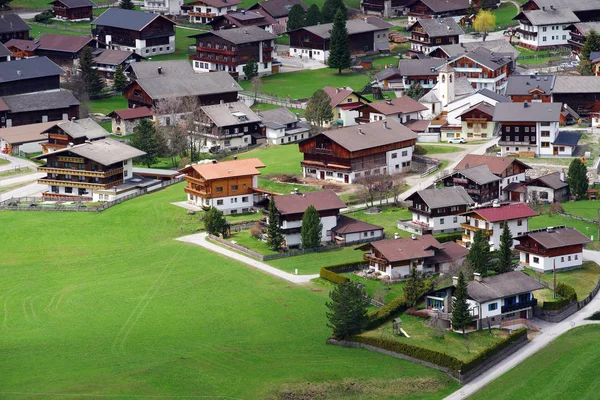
210, 48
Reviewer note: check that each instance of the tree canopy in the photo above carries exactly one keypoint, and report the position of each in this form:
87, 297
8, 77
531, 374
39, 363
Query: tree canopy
415, 91
505, 263
312, 228
318, 109
215, 223
347, 313
339, 46
274, 235
92, 79
484, 22
250, 69
145, 138
296, 17
461, 317
127, 5
479, 252
413, 289
120, 80
313, 15
592, 44
330, 9
577, 179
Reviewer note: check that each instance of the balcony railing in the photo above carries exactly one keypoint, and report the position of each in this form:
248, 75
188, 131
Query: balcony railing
201, 14
504, 143
196, 192
80, 172
320, 150
75, 184
518, 306
228, 51
469, 227
370, 257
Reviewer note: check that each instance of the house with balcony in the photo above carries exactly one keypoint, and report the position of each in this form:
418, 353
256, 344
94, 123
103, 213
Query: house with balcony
509, 170
99, 170
498, 46
434, 9
63, 134
228, 126
491, 219
229, 186
12, 26
530, 88
163, 7
146, 34
291, 208
529, 129
283, 127
73, 10
427, 34
422, 71
64, 50
579, 32
484, 68
492, 300
348, 154
547, 249
395, 258
479, 182
242, 18
385, 8
277, 10
437, 210
204, 11
585, 10
344, 102
231, 49
400, 109
106, 61
546, 27
20, 48
366, 36
581, 93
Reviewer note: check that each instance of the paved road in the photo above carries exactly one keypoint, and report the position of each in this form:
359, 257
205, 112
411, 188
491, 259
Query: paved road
549, 333
200, 240
15, 162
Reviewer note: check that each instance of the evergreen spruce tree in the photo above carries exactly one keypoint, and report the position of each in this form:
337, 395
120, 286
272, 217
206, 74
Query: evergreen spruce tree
250, 69
415, 91
505, 263
120, 80
92, 79
577, 179
215, 223
145, 138
330, 9
479, 252
592, 44
274, 235
296, 17
318, 109
413, 289
313, 15
311, 228
126, 5
339, 46
347, 313
461, 318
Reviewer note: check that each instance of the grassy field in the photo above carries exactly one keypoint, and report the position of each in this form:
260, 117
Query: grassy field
244, 238
284, 188
391, 61
582, 280
38, 30
544, 221
373, 286
422, 149
311, 263
576, 351
387, 218
4, 161
302, 84
109, 104
278, 159
264, 107
182, 42
454, 344
142, 315
505, 13
582, 208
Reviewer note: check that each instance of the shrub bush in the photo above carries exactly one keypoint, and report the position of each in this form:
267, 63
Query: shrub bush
566, 291
420, 353
385, 313
555, 305
331, 276
256, 230
331, 272
448, 237
417, 313
493, 350
44, 17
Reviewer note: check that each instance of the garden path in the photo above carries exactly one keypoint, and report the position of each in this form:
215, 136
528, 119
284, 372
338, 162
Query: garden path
200, 240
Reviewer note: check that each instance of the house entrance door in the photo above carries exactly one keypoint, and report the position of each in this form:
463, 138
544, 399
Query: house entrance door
310, 54
523, 314
346, 179
322, 175
555, 150
527, 258
515, 196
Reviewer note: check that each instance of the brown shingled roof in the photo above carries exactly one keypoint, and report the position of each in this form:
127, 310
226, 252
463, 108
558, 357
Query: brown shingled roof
132, 113
497, 165
336, 94
298, 203
406, 249
556, 237
350, 225
403, 105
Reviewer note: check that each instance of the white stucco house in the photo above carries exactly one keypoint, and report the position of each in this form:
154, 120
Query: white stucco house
546, 27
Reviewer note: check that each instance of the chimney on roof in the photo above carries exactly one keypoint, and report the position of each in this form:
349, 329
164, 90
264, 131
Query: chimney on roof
477, 276
337, 90
19, 72
360, 131
413, 236
160, 70
366, 20
296, 191
246, 31
388, 101
221, 101
525, 104
70, 144
385, 124
562, 175
214, 161
455, 280
243, 12
543, 8
234, 158
551, 7
396, 235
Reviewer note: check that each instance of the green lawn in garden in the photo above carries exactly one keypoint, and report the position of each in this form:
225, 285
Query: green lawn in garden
109, 104
182, 42
380, 63
284, 188
573, 356
109, 305
284, 39
505, 13
244, 238
107, 126
302, 84
4, 161
583, 280
277, 159
311, 263
453, 344
583, 208
541, 56
545, 220
423, 149
257, 107
387, 219
16, 171
373, 287
38, 30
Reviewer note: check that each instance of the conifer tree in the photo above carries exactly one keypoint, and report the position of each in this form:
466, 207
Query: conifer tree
339, 46
250, 69
296, 17
415, 91
330, 9
479, 252
274, 235
215, 223
312, 228
461, 317
347, 313
313, 15
318, 109
413, 289
505, 263
145, 138
592, 44
120, 80
92, 79
577, 179
127, 5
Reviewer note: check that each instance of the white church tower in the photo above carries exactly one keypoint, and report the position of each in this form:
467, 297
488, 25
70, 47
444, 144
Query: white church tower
446, 80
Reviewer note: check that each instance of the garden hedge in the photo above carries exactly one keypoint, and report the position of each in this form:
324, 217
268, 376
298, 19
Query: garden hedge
448, 237
555, 305
385, 313
493, 350
330, 272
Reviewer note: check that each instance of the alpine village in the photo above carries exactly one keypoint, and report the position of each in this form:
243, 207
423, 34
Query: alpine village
300, 199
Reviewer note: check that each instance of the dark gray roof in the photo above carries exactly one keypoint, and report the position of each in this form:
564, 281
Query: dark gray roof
420, 67
104, 151
577, 84
172, 86
347, 225
111, 57
281, 116
279, 8
125, 19
497, 46
443, 197
567, 138
28, 68
494, 96
4, 52
83, 128
354, 26
374, 134
440, 6
575, 5
594, 56
77, 3
549, 17
527, 112
12, 23
552, 238
387, 73
586, 27
488, 58
246, 34
149, 69
228, 114
503, 285
480, 174
519, 85
40, 101
437, 27
551, 180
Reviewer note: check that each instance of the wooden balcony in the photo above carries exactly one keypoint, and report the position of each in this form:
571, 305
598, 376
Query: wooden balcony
76, 160
57, 136
466, 238
214, 60
229, 52
518, 306
195, 192
369, 257
468, 227
83, 185
201, 14
81, 172
463, 243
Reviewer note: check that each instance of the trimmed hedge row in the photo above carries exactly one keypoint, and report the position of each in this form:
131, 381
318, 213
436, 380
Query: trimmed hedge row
330, 272
420, 353
555, 305
448, 237
385, 313
493, 350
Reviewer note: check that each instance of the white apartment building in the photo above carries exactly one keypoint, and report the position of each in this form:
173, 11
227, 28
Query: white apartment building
203, 11
545, 28
168, 7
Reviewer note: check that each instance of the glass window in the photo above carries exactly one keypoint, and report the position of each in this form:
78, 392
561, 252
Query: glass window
234, 187
219, 189
492, 307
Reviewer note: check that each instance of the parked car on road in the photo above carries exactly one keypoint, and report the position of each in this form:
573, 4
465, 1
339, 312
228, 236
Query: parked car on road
457, 140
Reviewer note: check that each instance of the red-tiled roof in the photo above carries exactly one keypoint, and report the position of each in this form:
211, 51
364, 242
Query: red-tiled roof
504, 212
132, 113
336, 94
497, 165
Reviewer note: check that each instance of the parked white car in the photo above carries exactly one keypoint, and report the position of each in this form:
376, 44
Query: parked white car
457, 140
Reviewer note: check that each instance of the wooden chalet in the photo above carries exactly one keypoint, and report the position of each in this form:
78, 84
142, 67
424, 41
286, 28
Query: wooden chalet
63, 134
12, 26
343, 103
427, 34
203, 11
348, 154
143, 33
427, 9
242, 18
579, 32
484, 69
106, 61
73, 10
479, 182
20, 48
530, 88
278, 10
63, 50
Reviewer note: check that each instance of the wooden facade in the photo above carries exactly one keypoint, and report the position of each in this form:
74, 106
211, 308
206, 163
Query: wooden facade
536, 95
156, 33
419, 10
479, 193
420, 207
197, 185
136, 97
582, 103
485, 73
532, 246
360, 43
38, 116
32, 85
591, 14
63, 11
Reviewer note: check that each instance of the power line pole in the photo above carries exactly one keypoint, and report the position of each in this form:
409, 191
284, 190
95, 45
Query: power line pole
554, 276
